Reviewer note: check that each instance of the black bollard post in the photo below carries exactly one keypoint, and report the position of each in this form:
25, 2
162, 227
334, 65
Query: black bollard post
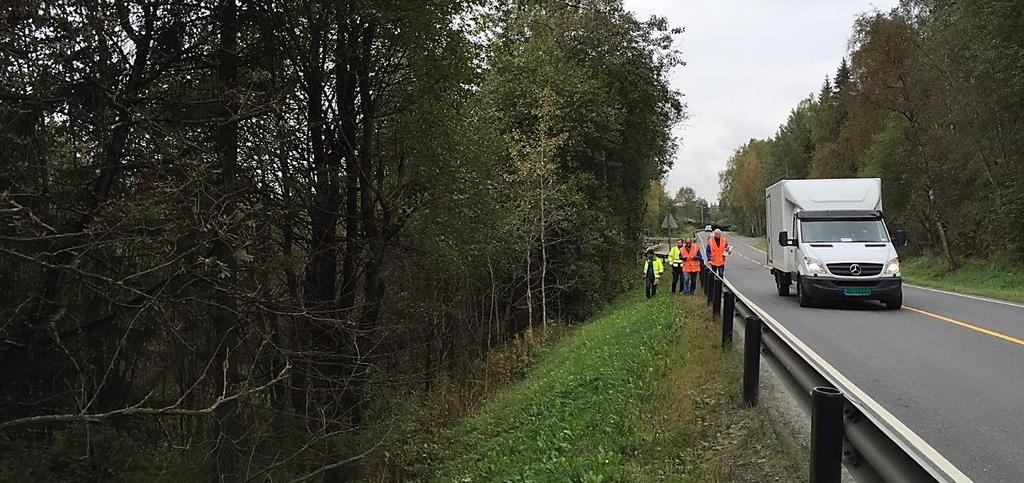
728, 311
826, 434
716, 297
751, 359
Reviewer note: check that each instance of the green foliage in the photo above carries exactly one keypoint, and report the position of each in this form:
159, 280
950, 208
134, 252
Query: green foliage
311, 206
657, 205
97, 453
928, 103
996, 278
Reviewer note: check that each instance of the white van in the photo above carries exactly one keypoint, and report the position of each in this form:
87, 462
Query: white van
829, 236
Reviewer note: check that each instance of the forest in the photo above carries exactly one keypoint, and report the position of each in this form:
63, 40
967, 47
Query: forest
929, 100
247, 239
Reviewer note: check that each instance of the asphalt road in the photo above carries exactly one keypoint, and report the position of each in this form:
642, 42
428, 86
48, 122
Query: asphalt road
950, 366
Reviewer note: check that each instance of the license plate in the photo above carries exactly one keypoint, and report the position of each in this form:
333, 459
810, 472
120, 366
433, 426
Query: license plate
857, 292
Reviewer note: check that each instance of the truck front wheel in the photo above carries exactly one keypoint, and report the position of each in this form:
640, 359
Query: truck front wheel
782, 282
895, 303
802, 296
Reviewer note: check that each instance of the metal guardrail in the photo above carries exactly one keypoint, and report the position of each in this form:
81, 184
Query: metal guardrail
872, 443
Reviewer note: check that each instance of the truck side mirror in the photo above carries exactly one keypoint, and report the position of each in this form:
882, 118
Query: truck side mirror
784, 238
899, 239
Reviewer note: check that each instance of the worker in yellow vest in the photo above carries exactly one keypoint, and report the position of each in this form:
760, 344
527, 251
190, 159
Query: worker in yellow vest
653, 268
675, 260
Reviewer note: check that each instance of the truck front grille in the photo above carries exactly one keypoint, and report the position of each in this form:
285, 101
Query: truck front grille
848, 269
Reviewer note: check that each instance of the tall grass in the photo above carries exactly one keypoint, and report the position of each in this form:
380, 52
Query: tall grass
639, 393
991, 278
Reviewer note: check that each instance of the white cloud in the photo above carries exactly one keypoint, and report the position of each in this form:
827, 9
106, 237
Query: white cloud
748, 64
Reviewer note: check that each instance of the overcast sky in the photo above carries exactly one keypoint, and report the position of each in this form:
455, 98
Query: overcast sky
748, 63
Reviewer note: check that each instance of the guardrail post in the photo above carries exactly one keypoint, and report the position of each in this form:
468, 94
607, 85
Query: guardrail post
728, 312
826, 434
709, 287
751, 359
716, 296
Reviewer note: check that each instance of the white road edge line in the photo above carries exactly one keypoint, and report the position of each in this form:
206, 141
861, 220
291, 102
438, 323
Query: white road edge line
857, 396
974, 297
755, 248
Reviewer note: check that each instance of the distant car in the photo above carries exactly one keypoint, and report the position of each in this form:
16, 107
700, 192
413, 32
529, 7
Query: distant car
707, 228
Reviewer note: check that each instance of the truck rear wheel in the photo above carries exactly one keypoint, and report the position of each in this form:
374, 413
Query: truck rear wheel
782, 282
802, 296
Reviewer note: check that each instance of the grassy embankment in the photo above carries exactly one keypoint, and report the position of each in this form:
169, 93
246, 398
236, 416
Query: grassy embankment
640, 393
996, 279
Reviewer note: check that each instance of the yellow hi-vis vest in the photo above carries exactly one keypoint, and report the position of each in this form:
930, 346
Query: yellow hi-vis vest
675, 256
659, 267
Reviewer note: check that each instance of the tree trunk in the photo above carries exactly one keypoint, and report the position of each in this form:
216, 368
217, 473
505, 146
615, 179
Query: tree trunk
345, 84
543, 257
941, 231
529, 293
321, 268
225, 315
375, 233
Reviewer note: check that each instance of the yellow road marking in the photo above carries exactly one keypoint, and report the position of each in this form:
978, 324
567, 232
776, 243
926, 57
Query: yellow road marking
968, 326
965, 325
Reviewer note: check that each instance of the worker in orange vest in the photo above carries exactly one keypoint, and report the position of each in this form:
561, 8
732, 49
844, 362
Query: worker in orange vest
718, 248
690, 254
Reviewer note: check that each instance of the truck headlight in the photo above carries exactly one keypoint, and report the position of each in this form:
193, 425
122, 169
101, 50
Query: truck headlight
892, 267
814, 267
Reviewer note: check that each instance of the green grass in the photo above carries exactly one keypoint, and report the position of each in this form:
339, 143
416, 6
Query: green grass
639, 393
996, 279
696, 429
761, 245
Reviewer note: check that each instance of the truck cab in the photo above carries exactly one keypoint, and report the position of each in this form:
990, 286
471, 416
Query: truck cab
845, 254
832, 240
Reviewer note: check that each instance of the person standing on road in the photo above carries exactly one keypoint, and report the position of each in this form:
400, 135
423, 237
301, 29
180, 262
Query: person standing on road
690, 254
653, 268
676, 261
718, 247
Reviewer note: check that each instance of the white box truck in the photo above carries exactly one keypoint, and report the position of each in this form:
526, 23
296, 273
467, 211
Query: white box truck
829, 236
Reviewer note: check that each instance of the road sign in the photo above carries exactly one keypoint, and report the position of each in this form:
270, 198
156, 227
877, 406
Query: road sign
669, 222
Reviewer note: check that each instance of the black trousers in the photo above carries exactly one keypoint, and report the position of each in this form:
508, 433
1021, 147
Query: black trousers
677, 278
693, 281
650, 287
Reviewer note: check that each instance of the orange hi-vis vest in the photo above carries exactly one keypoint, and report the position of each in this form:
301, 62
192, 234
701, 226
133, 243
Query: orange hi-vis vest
718, 251
691, 264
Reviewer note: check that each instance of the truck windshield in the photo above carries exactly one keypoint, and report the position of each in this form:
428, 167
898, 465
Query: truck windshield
843, 231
